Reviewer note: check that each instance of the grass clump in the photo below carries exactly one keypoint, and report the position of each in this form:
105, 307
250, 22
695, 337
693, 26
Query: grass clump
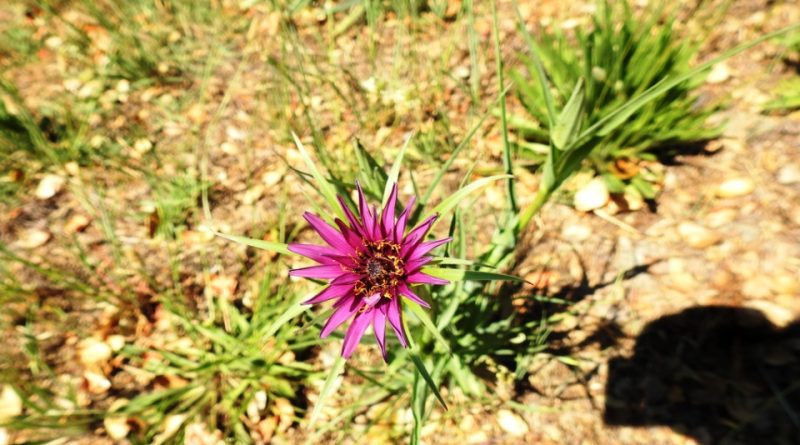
620, 57
788, 92
231, 372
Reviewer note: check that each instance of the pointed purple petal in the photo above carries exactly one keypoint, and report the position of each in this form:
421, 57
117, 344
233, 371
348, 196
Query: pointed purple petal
416, 235
328, 233
405, 291
366, 217
355, 332
354, 223
346, 278
400, 228
330, 292
425, 247
395, 316
351, 236
388, 212
323, 272
344, 260
423, 278
379, 329
376, 228
415, 264
340, 315
316, 253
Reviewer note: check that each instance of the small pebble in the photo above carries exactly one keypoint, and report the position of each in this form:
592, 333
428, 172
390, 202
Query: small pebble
734, 187
696, 235
116, 427
10, 403
92, 351
785, 283
789, 174
511, 423
33, 238
719, 218
49, 186
593, 195
96, 383
576, 232
76, 223
719, 73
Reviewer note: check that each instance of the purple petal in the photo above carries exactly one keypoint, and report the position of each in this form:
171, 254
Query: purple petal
405, 291
376, 228
425, 247
347, 261
340, 315
400, 227
324, 272
316, 253
416, 235
388, 212
395, 316
366, 216
346, 278
379, 329
354, 223
423, 278
372, 300
351, 236
330, 292
355, 332
328, 233
414, 265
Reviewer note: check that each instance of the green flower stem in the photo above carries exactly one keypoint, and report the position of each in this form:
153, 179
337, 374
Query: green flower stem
533, 208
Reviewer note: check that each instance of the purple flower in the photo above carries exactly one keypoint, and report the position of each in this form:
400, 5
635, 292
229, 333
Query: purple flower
371, 262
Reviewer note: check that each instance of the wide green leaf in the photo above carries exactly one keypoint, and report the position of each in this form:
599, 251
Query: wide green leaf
568, 122
469, 275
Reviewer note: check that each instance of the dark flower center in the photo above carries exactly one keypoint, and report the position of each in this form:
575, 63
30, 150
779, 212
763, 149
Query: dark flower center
380, 267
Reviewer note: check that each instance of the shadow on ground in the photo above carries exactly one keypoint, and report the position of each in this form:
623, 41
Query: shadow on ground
721, 375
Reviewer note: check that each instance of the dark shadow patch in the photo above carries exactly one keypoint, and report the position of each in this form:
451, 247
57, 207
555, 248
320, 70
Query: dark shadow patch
672, 154
721, 375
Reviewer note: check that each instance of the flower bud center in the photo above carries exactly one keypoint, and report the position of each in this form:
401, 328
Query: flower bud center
381, 268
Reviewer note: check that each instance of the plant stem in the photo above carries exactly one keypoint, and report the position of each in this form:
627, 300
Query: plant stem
533, 208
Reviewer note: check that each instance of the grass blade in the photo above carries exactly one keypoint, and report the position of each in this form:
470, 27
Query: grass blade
568, 122
454, 155
419, 311
620, 115
394, 173
507, 162
257, 243
453, 200
458, 262
325, 188
540, 73
427, 377
327, 388
294, 310
469, 275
